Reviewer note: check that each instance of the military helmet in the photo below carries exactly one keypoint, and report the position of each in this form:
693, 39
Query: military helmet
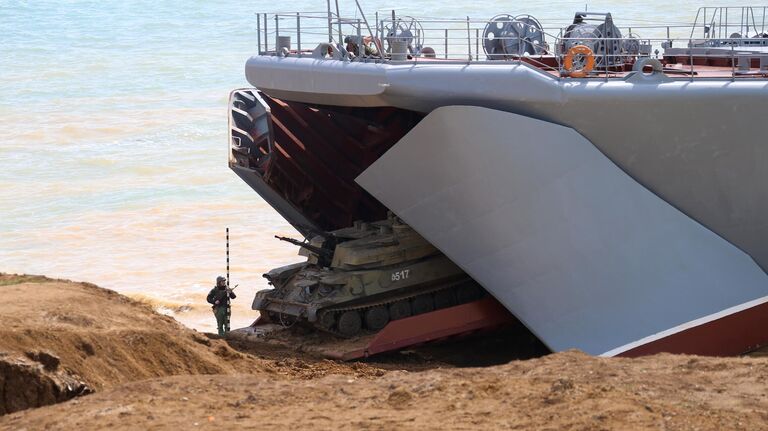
221, 281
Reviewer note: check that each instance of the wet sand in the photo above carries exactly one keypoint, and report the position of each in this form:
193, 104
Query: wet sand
147, 371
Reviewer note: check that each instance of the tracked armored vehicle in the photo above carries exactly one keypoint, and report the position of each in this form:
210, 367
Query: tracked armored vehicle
360, 278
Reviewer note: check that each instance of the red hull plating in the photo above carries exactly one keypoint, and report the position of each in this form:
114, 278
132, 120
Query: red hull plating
475, 316
481, 315
727, 336
730, 335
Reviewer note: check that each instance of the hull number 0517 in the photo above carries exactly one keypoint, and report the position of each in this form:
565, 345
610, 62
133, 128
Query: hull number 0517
401, 275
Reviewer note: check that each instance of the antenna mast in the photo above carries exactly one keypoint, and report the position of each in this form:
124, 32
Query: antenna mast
227, 258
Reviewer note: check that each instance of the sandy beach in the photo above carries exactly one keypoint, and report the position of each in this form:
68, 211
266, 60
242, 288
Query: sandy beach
82, 357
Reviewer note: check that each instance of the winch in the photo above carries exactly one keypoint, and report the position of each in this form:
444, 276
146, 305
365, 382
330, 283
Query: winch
597, 32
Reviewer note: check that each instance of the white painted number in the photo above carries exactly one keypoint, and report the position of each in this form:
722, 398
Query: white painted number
401, 275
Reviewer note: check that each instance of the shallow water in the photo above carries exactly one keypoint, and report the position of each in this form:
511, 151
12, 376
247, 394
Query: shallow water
113, 140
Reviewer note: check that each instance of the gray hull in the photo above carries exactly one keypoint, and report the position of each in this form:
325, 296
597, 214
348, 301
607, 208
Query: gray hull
606, 215
585, 256
700, 145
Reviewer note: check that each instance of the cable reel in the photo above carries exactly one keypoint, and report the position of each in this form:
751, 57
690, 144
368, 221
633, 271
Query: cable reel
405, 29
506, 36
609, 46
524, 35
630, 47
493, 34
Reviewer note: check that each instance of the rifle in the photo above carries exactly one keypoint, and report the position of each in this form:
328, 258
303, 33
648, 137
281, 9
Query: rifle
226, 298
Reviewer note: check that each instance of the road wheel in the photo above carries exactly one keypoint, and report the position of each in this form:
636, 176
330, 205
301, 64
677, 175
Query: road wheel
444, 299
422, 304
376, 318
399, 310
350, 323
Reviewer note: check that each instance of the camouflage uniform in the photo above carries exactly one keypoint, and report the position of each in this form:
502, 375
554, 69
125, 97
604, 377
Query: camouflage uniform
219, 298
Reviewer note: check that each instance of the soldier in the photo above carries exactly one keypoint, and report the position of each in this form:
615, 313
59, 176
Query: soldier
219, 298
368, 44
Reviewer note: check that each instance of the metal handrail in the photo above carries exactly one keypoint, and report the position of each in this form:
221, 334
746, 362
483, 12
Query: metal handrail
710, 21
462, 40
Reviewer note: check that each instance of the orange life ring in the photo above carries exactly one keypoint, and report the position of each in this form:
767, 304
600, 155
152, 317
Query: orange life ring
589, 63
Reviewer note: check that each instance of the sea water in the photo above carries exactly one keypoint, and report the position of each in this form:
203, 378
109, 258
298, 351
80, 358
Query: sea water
113, 139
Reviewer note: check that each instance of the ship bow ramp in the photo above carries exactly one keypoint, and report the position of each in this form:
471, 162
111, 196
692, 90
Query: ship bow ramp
574, 247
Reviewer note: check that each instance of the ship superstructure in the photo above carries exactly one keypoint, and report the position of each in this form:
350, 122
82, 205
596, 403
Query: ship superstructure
609, 190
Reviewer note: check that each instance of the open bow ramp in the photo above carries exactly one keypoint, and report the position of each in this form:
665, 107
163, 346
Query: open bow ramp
580, 252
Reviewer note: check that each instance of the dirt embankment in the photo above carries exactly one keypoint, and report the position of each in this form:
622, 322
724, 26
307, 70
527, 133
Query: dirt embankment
59, 339
565, 391
149, 372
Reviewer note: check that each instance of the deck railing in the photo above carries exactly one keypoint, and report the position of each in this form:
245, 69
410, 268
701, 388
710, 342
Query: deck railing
393, 38
724, 22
